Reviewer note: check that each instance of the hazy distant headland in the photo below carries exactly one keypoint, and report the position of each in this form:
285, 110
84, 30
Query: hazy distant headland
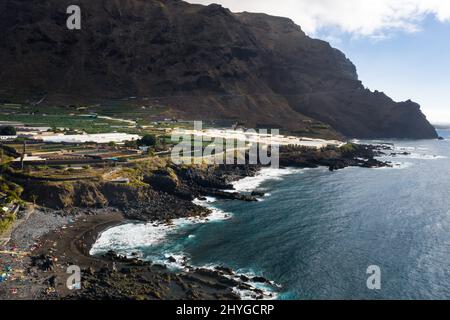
442, 126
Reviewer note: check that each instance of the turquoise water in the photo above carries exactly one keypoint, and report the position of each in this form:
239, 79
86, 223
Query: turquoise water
318, 231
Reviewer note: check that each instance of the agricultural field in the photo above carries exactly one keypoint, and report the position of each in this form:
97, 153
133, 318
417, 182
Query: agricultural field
89, 125
120, 116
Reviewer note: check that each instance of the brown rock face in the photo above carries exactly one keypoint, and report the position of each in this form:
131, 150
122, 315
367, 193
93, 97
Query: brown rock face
202, 62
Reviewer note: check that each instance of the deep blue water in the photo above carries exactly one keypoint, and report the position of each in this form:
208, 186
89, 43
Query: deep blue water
318, 231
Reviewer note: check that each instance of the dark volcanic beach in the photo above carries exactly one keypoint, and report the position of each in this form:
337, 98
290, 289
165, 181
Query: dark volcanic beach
58, 240
42, 273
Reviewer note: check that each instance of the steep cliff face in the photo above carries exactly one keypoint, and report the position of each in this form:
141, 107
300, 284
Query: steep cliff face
136, 202
202, 62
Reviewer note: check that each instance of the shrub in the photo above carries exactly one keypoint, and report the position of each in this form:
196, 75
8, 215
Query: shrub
148, 140
6, 222
347, 148
7, 131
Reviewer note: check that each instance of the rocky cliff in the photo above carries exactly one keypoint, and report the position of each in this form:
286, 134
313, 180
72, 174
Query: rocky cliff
200, 62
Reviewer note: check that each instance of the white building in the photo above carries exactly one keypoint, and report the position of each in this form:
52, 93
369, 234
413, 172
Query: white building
116, 137
5, 138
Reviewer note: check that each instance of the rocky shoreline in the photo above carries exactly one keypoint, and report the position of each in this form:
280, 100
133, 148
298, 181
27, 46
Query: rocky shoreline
41, 272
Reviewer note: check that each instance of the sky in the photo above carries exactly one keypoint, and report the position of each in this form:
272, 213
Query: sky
400, 47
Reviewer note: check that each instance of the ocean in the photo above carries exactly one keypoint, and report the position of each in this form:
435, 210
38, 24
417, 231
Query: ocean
316, 232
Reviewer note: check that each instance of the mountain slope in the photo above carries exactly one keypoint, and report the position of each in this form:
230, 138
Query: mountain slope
201, 62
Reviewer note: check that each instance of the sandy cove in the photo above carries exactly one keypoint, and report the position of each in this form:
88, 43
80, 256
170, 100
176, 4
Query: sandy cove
109, 277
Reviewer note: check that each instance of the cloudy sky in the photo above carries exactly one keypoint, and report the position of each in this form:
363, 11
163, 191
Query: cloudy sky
401, 47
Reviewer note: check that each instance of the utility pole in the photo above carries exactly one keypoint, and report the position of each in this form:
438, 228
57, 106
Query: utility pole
23, 153
1, 160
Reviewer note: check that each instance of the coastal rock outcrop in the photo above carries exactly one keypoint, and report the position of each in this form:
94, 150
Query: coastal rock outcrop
136, 202
167, 192
349, 155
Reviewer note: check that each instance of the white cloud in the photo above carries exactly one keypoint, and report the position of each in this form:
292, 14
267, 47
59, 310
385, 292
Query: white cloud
367, 18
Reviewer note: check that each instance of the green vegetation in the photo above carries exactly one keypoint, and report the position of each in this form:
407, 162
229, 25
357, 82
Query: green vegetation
84, 115
131, 144
320, 126
347, 148
148, 140
6, 221
143, 168
9, 194
7, 131
10, 191
58, 173
72, 122
299, 149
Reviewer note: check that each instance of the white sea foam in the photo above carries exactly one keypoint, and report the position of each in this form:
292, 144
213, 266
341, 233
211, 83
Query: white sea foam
251, 295
396, 165
250, 184
216, 213
131, 237
175, 261
180, 262
408, 148
413, 152
416, 153
420, 156
204, 202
